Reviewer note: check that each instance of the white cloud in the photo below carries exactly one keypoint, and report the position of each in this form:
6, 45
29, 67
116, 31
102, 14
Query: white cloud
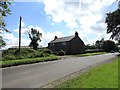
11, 40
52, 24
89, 15
85, 15
46, 36
22, 27
82, 35
107, 2
27, 0
23, 30
22, 24
60, 10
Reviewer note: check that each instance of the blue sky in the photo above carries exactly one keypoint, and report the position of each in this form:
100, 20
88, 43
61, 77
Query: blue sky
59, 17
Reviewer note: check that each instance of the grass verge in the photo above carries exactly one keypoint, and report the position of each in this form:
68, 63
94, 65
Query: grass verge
103, 76
9, 63
90, 54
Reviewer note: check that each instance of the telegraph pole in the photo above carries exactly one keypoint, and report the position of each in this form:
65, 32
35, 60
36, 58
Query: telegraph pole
119, 4
20, 33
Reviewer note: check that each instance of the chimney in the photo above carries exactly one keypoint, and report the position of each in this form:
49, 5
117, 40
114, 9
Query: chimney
55, 37
76, 33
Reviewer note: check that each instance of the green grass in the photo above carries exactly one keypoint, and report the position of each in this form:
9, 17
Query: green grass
9, 63
25, 53
103, 76
90, 54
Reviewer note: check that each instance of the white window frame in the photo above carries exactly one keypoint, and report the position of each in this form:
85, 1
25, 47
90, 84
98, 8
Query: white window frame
52, 44
63, 43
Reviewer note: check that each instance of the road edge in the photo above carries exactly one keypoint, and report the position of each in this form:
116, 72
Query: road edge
74, 74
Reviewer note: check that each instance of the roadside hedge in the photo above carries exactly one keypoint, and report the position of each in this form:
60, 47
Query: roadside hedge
27, 61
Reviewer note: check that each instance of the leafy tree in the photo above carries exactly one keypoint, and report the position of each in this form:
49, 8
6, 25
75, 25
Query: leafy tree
113, 24
4, 11
108, 46
87, 47
99, 43
92, 46
34, 36
2, 43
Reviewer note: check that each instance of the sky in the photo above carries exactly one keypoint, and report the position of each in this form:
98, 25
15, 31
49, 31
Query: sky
58, 18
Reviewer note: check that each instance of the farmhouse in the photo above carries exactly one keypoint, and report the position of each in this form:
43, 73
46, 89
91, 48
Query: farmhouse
70, 44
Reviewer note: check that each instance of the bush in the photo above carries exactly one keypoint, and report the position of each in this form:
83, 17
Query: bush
9, 57
12, 54
47, 51
108, 46
8, 52
27, 61
37, 54
61, 53
54, 52
13, 49
28, 49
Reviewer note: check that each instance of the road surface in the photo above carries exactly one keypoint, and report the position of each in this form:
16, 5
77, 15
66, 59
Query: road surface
40, 74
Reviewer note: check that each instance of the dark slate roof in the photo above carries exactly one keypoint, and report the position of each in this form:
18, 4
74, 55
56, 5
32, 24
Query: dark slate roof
63, 39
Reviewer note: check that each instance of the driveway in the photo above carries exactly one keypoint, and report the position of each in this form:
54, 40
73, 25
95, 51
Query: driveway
40, 74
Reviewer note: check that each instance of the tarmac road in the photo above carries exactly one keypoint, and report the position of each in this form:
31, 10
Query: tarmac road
40, 74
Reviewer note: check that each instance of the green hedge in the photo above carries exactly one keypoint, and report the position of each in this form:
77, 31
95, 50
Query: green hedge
27, 61
12, 54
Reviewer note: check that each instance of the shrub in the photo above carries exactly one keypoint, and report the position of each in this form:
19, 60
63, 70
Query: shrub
9, 57
8, 52
61, 53
27, 61
37, 54
12, 54
54, 52
47, 51
108, 46
12, 49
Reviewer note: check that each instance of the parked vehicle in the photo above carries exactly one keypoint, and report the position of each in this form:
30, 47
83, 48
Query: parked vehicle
112, 51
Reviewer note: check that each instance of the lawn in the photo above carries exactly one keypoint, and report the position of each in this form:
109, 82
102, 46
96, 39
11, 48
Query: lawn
103, 76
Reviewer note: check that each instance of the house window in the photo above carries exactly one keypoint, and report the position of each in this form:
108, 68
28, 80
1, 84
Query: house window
63, 43
52, 44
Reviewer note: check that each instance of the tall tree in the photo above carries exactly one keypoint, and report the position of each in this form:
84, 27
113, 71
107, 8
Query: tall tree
113, 24
34, 36
2, 42
99, 43
4, 11
108, 46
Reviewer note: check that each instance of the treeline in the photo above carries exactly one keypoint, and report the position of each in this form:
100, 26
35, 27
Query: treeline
103, 45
